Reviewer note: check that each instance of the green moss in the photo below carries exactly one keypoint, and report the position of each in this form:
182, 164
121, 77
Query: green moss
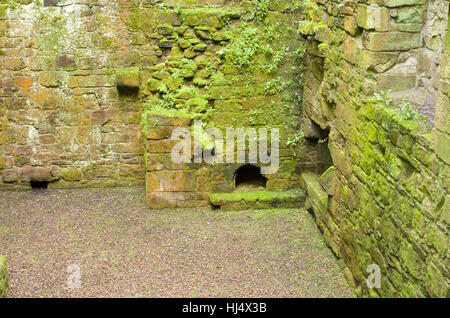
212, 17
2, 12
261, 196
3, 278
70, 174
170, 113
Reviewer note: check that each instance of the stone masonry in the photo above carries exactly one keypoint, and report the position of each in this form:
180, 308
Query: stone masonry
385, 200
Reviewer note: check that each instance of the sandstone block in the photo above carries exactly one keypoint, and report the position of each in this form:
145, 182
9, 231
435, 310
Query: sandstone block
391, 41
128, 78
170, 181
36, 174
373, 17
399, 3
50, 79
70, 174
377, 61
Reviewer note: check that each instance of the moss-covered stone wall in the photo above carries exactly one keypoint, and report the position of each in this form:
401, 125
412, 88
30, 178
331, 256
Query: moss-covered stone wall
385, 201
78, 76
230, 67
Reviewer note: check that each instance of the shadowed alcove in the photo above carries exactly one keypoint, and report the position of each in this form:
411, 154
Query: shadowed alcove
249, 177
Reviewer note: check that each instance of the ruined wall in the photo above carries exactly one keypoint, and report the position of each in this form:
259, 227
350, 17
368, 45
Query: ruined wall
385, 202
59, 106
230, 68
76, 77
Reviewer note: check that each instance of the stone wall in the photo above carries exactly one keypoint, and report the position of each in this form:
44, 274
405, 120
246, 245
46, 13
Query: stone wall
230, 68
76, 77
170, 184
60, 109
385, 201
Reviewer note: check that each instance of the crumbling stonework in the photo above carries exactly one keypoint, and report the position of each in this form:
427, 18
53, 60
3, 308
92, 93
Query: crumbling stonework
76, 77
225, 67
60, 109
91, 91
385, 201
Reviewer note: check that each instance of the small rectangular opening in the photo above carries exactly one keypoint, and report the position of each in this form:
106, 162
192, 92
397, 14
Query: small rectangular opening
39, 186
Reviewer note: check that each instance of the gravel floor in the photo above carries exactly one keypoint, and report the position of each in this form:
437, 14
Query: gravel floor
124, 249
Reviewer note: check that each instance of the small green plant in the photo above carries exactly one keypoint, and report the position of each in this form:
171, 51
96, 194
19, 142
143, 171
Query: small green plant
241, 52
261, 8
405, 111
301, 51
276, 61
274, 86
12, 4
410, 112
384, 98
297, 139
311, 18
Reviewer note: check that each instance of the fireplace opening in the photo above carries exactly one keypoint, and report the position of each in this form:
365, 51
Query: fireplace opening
249, 177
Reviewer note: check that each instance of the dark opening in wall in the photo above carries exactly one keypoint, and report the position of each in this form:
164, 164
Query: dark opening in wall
316, 133
249, 176
318, 136
128, 93
39, 186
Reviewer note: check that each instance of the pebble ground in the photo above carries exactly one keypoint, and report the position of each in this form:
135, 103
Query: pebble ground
123, 249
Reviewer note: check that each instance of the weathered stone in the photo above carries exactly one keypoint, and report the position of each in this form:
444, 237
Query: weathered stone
373, 17
65, 61
166, 44
36, 174
352, 50
395, 82
70, 174
426, 61
407, 15
50, 79
399, 3
443, 147
377, 61
49, 99
203, 33
391, 41
128, 78
198, 104
435, 282
49, 3
165, 29
9, 176
406, 27
171, 181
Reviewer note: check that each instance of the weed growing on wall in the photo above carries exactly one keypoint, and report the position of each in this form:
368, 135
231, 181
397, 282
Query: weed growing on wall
402, 111
311, 21
260, 8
